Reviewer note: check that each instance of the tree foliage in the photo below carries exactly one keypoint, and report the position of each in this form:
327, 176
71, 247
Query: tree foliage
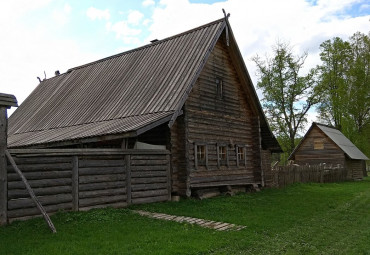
345, 83
288, 95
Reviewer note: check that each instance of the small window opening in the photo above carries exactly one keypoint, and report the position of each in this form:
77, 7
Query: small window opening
220, 88
318, 144
241, 158
222, 157
201, 153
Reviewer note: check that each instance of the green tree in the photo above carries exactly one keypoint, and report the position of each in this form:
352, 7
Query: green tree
345, 85
288, 95
335, 56
359, 81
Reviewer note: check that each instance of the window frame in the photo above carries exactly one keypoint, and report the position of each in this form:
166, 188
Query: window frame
242, 161
318, 144
222, 162
198, 162
219, 88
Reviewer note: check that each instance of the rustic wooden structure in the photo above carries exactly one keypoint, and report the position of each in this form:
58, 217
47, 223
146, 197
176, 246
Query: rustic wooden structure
281, 176
81, 179
190, 94
6, 101
325, 144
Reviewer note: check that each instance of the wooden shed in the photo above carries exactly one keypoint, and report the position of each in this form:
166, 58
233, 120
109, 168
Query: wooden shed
325, 144
190, 94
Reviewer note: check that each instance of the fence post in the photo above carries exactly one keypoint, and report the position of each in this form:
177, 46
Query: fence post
128, 178
169, 176
75, 183
6, 101
322, 173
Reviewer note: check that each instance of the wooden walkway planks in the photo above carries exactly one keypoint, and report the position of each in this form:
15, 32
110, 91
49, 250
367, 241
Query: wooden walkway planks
219, 226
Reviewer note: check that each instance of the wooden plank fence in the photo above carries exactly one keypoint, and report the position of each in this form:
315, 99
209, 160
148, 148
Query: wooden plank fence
286, 175
82, 179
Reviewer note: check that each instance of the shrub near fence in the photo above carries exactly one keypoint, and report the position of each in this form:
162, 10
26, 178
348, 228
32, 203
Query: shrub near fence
285, 175
81, 179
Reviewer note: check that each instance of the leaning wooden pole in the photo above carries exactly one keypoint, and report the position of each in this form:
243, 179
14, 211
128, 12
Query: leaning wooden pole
30, 191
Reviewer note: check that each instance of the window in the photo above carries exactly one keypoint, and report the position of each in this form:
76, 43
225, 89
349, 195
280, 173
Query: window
241, 158
220, 88
201, 155
318, 144
222, 155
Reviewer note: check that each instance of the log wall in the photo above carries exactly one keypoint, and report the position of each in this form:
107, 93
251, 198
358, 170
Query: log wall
81, 179
329, 154
228, 120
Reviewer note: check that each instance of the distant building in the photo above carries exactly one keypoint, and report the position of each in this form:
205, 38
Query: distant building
325, 144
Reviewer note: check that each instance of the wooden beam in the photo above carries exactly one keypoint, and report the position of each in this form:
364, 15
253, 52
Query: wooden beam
3, 168
128, 178
75, 181
32, 194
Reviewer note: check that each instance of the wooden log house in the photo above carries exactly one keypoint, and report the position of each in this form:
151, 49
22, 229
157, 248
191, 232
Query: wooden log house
190, 94
325, 144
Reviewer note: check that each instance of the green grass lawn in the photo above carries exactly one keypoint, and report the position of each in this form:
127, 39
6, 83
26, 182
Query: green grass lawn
300, 219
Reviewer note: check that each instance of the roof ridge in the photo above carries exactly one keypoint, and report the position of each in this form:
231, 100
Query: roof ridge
147, 45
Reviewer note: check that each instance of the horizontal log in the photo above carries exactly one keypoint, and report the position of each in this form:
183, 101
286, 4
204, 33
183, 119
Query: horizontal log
111, 205
149, 180
44, 200
41, 160
150, 199
18, 213
99, 163
23, 193
101, 178
40, 183
148, 157
149, 193
149, 174
102, 200
196, 180
42, 167
102, 170
83, 152
148, 168
151, 162
102, 185
225, 183
99, 193
142, 187
40, 175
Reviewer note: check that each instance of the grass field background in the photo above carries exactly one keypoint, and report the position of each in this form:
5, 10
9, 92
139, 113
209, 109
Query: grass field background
300, 219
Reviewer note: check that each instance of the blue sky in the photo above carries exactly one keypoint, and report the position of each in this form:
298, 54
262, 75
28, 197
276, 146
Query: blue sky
49, 35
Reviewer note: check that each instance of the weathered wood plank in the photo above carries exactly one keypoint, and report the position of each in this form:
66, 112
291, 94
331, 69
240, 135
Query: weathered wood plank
22, 193
150, 199
44, 200
101, 178
101, 185
102, 200
149, 193
104, 192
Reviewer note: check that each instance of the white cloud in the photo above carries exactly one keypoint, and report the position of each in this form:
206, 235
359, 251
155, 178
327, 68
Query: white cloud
122, 29
134, 17
62, 16
147, 3
94, 13
259, 24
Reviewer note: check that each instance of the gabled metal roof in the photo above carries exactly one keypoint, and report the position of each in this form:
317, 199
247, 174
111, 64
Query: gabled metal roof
147, 81
124, 94
343, 142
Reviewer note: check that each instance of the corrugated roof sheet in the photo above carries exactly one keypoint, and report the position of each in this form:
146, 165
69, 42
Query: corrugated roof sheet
114, 94
343, 142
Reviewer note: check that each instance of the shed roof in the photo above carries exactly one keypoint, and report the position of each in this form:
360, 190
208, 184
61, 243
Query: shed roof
340, 140
127, 93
